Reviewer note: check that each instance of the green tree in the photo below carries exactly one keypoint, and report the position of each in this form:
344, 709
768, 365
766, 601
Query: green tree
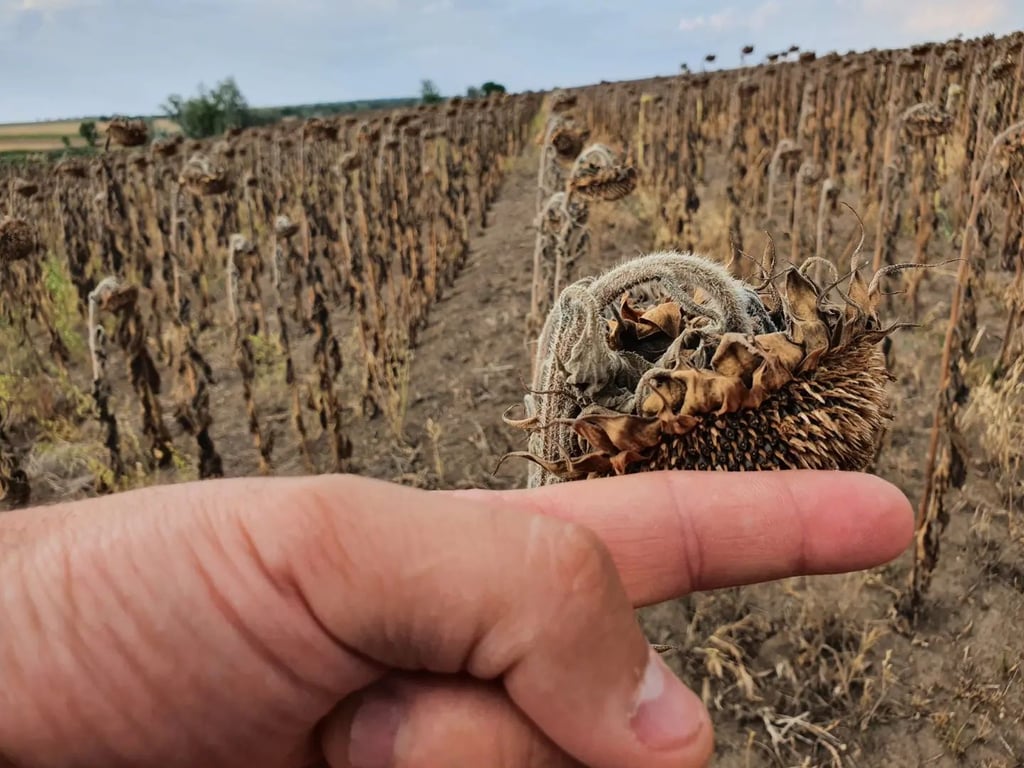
87, 130
210, 112
66, 141
491, 87
429, 94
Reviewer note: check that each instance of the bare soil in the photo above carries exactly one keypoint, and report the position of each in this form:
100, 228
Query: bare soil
836, 676
806, 672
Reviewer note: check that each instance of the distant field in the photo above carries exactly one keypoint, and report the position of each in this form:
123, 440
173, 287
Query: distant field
46, 136
41, 137
38, 143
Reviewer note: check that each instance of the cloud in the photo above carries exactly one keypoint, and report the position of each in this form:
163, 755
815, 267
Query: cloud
43, 6
438, 6
28, 16
936, 18
729, 18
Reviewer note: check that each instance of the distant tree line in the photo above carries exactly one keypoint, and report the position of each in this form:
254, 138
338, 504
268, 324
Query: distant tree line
212, 111
484, 90
429, 93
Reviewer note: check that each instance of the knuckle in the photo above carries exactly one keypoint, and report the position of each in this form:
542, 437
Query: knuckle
300, 527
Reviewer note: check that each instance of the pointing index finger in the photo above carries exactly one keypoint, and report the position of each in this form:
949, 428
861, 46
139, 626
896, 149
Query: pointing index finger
675, 532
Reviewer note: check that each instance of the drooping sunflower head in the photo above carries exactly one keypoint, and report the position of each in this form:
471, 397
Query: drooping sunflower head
705, 371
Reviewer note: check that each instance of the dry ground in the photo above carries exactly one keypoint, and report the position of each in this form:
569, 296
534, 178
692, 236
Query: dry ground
801, 673
807, 672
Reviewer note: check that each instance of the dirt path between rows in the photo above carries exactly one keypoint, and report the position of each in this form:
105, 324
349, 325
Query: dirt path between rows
470, 367
472, 362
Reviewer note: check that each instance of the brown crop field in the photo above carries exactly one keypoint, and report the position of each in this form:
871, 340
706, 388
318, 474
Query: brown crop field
46, 137
384, 294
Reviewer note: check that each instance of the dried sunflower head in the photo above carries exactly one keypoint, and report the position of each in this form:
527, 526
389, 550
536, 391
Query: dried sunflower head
243, 252
567, 141
111, 295
705, 371
284, 227
1001, 68
597, 175
318, 129
203, 177
167, 147
71, 168
925, 120
17, 240
788, 151
562, 102
127, 133
25, 187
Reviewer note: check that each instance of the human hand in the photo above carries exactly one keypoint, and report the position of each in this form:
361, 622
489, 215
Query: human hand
344, 621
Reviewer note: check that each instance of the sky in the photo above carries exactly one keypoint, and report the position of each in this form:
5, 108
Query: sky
76, 58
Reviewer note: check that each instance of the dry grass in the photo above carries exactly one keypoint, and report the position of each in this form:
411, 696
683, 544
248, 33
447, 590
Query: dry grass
996, 411
807, 672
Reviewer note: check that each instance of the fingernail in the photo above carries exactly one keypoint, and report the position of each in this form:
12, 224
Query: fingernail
374, 732
668, 714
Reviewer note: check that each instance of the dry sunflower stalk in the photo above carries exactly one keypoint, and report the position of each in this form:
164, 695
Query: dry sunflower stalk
669, 362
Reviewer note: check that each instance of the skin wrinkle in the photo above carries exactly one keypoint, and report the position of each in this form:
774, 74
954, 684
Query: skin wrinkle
306, 526
690, 543
537, 505
281, 580
509, 637
414, 639
10, 660
89, 556
801, 560
428, 620
287, 588
367, 651
443, 648
338, 561
108, 587
249, 636
462, 650
64, 634
130, 673
471, 640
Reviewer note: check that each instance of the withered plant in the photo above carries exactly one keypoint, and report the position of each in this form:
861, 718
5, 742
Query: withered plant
669, 362
239, 251
945, 464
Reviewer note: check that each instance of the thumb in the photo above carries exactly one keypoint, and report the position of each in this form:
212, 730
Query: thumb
301, 592
425, 582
